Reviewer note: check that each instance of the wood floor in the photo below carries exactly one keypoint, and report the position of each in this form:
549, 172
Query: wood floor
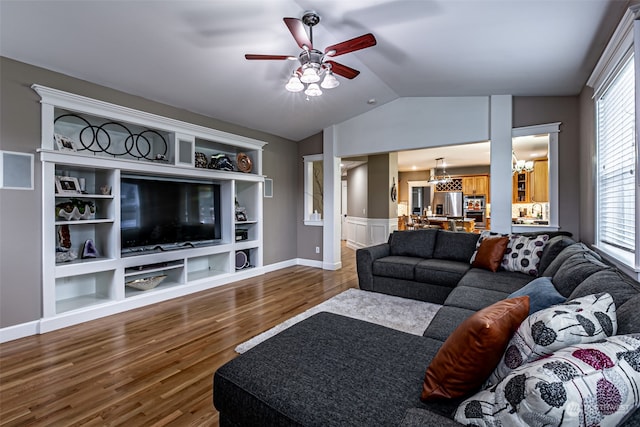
152, 366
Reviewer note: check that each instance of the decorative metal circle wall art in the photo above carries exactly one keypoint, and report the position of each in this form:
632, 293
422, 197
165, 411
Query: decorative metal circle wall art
244, 163
98, 139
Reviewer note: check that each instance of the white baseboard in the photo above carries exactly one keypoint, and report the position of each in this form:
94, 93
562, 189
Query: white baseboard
309, 262
21, 330
280, 265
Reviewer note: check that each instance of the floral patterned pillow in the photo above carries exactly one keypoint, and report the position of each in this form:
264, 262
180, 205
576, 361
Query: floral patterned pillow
582, 320
592, 384
523, 253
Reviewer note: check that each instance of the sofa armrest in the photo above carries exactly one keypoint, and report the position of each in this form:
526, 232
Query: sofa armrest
364, 263
417, 417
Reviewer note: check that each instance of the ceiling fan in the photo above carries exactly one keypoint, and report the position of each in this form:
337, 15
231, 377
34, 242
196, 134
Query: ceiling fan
314, 63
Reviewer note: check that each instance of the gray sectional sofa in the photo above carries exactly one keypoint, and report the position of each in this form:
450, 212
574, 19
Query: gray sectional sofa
333, 370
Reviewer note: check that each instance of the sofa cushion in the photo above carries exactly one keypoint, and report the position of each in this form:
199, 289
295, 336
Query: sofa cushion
326, 370
542, 294
583, 320
440, 271
582, 385
554, 246
455, 371
418, 243
628, 315
568, 251
410, 289
473, 298
504, 281
490, 253
523, 253
613, 282
575, 270
398, 267
446, 320
455, 246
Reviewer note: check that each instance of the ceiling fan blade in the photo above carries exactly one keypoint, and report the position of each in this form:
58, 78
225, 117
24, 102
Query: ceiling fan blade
357, 43
343, 70
299, 33
254, 56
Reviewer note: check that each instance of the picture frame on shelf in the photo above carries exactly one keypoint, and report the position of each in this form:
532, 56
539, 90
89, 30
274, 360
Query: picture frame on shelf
67, 185
64, 143
241, 214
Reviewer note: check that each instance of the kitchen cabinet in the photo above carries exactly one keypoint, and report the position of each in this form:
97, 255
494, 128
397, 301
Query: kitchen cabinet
540, 182
476, 185
521, 193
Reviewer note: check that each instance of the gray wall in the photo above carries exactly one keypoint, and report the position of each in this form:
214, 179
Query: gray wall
535, 110
357, 191
381, 169
308, 236
587, 167
20, 211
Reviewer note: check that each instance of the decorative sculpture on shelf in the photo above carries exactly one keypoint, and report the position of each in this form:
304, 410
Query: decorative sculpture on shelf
221, 161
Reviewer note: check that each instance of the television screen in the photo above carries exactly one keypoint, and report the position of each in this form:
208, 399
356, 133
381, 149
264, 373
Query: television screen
158, 213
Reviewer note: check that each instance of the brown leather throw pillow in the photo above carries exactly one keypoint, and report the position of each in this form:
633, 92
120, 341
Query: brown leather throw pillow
490, 253
473, 350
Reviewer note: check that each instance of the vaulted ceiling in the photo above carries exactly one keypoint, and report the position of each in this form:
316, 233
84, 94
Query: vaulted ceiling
190, 54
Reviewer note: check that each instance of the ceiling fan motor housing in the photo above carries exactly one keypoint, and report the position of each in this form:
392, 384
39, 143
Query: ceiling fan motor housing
311, 58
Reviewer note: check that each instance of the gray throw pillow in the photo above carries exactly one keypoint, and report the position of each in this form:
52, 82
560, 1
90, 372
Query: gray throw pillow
542, 294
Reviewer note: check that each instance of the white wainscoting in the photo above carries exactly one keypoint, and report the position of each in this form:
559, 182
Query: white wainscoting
363, 232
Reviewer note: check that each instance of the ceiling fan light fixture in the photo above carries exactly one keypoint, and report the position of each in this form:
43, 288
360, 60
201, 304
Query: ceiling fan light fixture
309, 75
294, 85
313, 90
329, 81
314, 63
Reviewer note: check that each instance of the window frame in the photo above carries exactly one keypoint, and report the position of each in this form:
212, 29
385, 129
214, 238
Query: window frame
624, 43
626, 256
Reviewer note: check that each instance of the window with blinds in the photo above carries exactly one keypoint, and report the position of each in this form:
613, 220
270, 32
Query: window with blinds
616, 154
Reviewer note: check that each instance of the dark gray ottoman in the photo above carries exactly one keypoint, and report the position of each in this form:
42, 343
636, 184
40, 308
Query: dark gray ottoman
327, 370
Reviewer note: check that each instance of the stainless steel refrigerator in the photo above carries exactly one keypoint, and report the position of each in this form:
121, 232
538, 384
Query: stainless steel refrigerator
448, 203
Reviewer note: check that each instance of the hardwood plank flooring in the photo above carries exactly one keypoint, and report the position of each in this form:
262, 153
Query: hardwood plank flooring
153, 366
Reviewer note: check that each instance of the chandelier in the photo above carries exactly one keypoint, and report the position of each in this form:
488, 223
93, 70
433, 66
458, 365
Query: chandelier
442, 178
519, 166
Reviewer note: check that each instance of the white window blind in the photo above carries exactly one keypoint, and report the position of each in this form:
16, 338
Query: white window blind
617, 161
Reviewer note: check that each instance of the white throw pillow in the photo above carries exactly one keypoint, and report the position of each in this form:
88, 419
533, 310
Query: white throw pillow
582, 320
584, 385
523, 253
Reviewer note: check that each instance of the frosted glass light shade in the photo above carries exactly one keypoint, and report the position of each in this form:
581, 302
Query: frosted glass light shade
313, 90
294, 85
330, 81
309, 75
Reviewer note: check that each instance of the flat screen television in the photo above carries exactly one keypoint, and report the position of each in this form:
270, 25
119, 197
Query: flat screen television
164, 214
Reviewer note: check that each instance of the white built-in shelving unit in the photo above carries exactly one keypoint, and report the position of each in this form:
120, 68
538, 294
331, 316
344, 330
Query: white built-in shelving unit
84, 289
